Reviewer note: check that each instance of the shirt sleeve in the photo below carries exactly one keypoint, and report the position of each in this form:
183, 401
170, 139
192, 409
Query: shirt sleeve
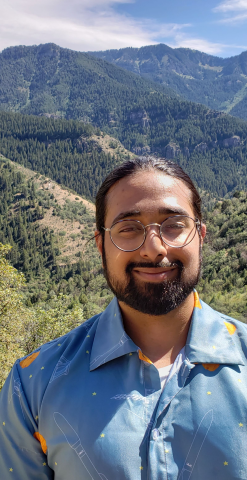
21, 455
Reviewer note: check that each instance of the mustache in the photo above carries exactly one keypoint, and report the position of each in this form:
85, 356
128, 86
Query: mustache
161, 264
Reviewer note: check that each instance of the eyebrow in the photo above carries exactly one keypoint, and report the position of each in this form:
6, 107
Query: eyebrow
138, 213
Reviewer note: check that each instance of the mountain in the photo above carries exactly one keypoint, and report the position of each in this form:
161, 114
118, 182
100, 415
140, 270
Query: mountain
71, 153
47, 79
219, 83
54, 82
211, 147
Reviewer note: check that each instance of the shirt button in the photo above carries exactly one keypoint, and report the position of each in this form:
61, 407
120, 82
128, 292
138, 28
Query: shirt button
155, 434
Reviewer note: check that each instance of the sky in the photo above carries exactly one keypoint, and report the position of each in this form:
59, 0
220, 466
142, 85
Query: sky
215, 27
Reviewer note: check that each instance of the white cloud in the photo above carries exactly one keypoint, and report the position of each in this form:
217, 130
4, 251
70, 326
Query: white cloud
234, 20
77, 24
200, 44
230, 10
231, 6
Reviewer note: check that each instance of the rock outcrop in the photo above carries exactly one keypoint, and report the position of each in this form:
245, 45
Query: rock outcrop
140, 117
186, 152
141, 150
233, 141
172, 150
201, 147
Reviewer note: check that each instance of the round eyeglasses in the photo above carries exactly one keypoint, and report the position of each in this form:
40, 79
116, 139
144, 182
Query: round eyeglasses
175, 231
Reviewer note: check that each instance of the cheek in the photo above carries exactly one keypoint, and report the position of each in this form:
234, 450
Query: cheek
116, 259
191, 256
195, 260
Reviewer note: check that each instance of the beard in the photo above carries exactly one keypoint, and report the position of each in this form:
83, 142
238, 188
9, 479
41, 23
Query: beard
153, 298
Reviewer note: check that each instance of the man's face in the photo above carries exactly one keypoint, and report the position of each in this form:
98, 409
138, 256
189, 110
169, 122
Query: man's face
156, 278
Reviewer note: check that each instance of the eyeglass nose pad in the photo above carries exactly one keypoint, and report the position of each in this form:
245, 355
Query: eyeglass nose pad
157, 232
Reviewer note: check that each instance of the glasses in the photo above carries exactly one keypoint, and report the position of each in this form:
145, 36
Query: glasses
176, 231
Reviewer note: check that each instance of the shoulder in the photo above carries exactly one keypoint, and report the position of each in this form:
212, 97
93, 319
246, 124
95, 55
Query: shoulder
224, 318
236, 328
45, 358
30, 376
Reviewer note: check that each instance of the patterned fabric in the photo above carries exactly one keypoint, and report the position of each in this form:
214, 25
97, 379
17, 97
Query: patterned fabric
90, 406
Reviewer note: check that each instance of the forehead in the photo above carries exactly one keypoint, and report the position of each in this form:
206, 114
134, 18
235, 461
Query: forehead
148, 192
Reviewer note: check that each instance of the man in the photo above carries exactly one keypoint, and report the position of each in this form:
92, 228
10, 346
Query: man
153, 388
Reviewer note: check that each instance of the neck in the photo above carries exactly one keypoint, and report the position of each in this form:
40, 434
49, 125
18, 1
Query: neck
161, 337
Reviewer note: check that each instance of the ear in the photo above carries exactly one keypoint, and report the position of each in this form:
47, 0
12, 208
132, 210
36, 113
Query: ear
203, 232
98, 241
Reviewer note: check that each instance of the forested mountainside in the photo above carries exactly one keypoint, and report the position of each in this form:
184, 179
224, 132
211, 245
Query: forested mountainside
47, 79
69, 152
219, 83
48, 228
211, 148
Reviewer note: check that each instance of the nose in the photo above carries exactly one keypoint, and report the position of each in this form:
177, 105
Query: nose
153, 248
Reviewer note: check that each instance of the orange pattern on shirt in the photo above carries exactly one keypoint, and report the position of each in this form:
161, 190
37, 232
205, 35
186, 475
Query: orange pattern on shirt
27, 361
211, 367
230, 327
197, 300
42, 441
143, 357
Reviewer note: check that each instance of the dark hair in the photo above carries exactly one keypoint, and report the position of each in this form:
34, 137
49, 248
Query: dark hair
129, 168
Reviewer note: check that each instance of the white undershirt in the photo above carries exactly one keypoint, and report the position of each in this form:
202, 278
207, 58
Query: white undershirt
167, 372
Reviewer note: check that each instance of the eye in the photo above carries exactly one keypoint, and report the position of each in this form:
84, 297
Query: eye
175, 225
127, 229
132, 229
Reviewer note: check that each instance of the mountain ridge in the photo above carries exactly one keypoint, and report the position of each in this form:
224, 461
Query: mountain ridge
196, 76
58, 81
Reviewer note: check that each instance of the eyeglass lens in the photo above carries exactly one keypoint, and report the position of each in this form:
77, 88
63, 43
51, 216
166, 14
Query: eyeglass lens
175, 231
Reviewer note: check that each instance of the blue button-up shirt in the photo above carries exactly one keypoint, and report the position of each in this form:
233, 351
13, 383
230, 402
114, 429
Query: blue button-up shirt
90, 406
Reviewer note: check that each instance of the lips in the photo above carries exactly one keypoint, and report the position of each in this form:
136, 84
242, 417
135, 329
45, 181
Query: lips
155, 274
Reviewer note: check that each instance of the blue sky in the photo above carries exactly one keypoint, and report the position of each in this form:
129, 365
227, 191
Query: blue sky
218, 27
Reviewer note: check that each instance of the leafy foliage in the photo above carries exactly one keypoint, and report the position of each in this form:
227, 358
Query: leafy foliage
224, 280
22, 328
14, 316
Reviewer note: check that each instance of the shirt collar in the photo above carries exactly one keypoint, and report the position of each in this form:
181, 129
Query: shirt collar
211, 339
110, 341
